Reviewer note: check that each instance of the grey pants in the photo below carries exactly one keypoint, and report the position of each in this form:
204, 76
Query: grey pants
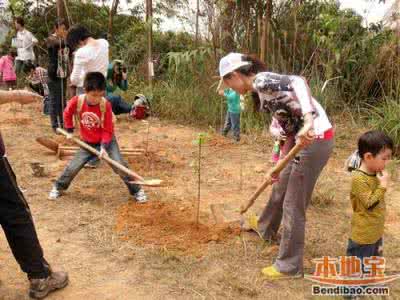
82, 157
288, 204
232, 121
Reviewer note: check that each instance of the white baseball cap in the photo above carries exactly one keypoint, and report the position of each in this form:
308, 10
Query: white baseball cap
230, 63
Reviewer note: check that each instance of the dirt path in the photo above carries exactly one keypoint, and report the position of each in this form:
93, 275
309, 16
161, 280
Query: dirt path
80, 231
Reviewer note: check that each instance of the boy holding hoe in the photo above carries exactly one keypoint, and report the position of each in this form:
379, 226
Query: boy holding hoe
94, 114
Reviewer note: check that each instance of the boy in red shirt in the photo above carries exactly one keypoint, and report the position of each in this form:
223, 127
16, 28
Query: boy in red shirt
97, 130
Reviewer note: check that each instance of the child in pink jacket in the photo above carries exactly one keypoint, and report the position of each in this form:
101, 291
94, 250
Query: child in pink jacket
7, 73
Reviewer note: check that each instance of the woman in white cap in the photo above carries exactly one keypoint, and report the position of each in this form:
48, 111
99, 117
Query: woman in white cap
301, 117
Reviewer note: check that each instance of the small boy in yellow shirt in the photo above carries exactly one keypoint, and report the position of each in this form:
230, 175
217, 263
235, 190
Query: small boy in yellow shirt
368, 188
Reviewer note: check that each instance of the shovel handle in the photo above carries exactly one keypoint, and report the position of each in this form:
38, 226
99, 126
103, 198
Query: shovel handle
273, 173
112, 162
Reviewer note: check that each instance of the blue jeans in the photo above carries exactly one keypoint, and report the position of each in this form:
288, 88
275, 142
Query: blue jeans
119, 106
361, 251
83, 156
232, 121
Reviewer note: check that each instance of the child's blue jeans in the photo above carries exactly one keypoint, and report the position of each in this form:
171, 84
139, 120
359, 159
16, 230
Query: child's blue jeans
83, 156
232, 121
361, 251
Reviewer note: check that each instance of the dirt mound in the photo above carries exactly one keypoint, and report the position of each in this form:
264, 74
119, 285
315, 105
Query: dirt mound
157, 162
168, 225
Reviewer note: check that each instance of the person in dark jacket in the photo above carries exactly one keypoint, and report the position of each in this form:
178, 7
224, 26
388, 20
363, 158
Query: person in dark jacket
59, 55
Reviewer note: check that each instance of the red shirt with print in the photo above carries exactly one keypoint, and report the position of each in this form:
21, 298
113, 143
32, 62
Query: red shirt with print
91, 129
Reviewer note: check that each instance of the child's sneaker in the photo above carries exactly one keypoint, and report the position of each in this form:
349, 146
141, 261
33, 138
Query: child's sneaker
140, 196
54, 193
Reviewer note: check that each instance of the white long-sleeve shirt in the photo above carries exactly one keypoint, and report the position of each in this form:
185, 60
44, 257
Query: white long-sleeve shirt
90, 58
24, 43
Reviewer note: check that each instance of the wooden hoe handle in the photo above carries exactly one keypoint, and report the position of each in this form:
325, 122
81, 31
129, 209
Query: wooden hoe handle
89, 148
273, 173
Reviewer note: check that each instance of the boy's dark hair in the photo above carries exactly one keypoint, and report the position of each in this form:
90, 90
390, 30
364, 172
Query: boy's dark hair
20, 21
29, 67
76, 34
12, 52
94, 81
373, 141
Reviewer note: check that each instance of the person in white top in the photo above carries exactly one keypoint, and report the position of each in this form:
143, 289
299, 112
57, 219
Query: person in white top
300, 118
24, 42
91, 55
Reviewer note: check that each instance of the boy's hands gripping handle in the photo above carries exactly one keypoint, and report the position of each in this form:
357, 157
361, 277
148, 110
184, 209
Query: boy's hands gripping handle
273, 173
122, 168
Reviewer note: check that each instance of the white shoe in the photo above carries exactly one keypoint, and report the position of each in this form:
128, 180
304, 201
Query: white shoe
140, 196
54, 193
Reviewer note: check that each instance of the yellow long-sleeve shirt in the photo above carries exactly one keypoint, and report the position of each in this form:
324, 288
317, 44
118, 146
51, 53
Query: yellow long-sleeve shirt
369, 208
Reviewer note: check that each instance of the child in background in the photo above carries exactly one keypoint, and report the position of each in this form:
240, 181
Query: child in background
232, 119
368, 188
7, 73
38, 79
94, 114
283, 143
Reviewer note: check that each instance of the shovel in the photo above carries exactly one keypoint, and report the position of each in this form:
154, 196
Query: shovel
138, 179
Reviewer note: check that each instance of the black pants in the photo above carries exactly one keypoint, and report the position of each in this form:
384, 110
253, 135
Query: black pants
57, 101
17, 223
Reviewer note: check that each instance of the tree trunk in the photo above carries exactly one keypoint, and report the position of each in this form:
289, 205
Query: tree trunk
227, 40
197, 24
62, 12
266, 19
149, 23
113, 12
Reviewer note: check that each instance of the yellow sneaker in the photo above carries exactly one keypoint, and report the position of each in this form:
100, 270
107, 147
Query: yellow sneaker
272, 273
253, 223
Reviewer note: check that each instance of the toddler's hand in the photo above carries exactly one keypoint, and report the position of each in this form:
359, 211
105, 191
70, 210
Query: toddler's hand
383, 179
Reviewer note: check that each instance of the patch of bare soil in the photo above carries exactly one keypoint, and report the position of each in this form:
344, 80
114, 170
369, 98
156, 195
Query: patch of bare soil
171, 226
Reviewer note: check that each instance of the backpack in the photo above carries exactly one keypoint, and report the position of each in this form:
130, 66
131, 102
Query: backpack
141, 107
353, 162
81, 101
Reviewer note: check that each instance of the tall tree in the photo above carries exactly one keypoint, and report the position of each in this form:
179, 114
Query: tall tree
113, 12
62, 11
227, 38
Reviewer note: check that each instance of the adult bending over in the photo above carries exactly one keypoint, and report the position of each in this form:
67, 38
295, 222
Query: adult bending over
289, 100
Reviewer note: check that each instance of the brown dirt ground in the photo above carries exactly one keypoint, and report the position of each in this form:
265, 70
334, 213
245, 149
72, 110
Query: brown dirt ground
116, 249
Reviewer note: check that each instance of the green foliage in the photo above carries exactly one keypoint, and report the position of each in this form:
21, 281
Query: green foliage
201, 138
385, 116
312, 38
